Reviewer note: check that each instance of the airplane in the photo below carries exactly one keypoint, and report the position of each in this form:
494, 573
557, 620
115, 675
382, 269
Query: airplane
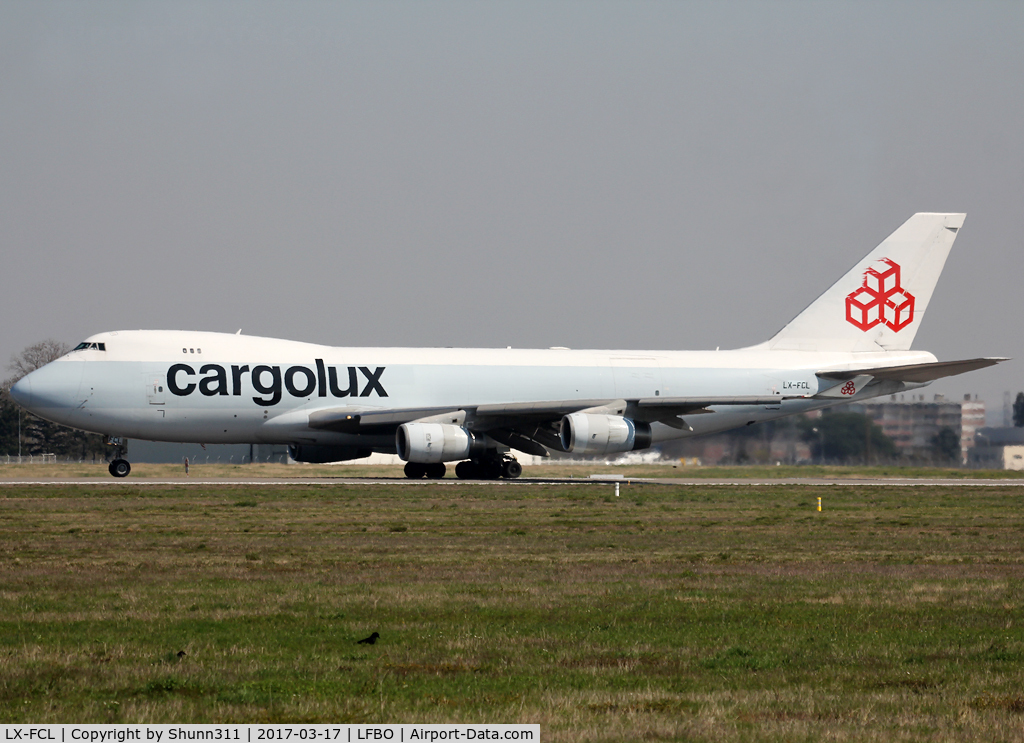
434, 406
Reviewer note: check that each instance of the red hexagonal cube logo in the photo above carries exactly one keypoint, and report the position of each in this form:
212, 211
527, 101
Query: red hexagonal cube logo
881, 299
898, 310
883, 277
863, 308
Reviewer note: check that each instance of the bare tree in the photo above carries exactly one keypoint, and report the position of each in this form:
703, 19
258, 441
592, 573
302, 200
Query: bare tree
35, 356
37, 435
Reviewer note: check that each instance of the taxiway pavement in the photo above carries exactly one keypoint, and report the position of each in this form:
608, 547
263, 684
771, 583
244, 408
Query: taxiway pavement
523, 481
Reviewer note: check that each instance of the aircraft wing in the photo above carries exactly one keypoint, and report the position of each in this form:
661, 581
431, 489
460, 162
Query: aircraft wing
533, 426
527, 426
356, 420
556, 409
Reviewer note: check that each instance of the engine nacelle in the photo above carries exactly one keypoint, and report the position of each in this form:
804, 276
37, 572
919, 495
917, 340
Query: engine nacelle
586, 433
318, 454
427, 443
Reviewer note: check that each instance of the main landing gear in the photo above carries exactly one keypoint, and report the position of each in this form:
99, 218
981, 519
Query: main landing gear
489, 468
417, 470
119, 466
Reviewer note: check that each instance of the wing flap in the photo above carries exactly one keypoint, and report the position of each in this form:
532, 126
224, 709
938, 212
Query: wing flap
526, 443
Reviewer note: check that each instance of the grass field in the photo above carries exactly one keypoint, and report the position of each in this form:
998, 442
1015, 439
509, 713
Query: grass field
670, 613
145, 471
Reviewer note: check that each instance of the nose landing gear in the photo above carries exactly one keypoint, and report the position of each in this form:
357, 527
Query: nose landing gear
119, 466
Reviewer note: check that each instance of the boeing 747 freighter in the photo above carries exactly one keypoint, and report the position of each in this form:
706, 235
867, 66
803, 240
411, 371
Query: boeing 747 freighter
438, 405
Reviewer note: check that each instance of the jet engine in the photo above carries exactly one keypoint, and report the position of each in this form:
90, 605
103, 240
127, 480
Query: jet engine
587, 433
437, 442
318, 454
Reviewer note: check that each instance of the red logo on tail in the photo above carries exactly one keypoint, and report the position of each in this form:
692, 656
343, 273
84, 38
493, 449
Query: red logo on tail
881, 299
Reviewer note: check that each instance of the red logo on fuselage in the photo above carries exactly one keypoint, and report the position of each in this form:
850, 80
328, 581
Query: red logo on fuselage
881, 299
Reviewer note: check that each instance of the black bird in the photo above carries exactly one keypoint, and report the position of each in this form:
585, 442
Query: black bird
369, 640
181, 654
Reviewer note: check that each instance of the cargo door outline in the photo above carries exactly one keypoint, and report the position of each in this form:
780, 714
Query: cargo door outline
156, 390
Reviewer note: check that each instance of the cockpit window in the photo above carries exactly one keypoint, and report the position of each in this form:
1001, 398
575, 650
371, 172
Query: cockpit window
94, 346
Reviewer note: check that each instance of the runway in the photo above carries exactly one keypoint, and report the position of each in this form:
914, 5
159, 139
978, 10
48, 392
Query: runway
523, 481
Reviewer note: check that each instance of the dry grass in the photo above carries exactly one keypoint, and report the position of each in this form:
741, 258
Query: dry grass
583, 470
670, 613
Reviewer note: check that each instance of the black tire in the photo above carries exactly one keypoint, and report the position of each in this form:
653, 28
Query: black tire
490, 470
466, 470
415, 470
436, 471
511, 469
120, 468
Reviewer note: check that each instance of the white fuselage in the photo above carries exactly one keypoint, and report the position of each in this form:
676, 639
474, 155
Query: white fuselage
218, 388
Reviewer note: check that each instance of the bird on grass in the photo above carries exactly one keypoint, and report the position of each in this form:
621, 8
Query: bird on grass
369, 640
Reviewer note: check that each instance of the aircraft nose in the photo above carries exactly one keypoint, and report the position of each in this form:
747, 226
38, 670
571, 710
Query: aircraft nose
49, 391
21, 392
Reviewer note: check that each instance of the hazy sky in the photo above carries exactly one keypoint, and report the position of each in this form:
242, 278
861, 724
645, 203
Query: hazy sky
612, 175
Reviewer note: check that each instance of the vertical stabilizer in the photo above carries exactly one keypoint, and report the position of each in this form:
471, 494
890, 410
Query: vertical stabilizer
879, 304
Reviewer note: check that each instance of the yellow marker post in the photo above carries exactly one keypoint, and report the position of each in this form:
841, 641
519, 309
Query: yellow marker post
819, 502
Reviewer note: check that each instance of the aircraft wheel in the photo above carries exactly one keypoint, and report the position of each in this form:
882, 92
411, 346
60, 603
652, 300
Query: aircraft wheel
466, 470
120, 468
415, 470
436, 471
490, 470
511, 469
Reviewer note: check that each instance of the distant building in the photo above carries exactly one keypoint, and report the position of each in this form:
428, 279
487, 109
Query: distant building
766, 443
972, 416
998, 448
913, 423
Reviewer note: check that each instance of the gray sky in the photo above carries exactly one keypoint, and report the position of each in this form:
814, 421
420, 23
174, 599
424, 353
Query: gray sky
610, 175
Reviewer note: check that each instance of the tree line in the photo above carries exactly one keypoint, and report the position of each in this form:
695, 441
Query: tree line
33, 435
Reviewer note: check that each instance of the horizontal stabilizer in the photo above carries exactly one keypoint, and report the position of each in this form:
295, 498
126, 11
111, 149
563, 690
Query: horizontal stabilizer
915, 372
